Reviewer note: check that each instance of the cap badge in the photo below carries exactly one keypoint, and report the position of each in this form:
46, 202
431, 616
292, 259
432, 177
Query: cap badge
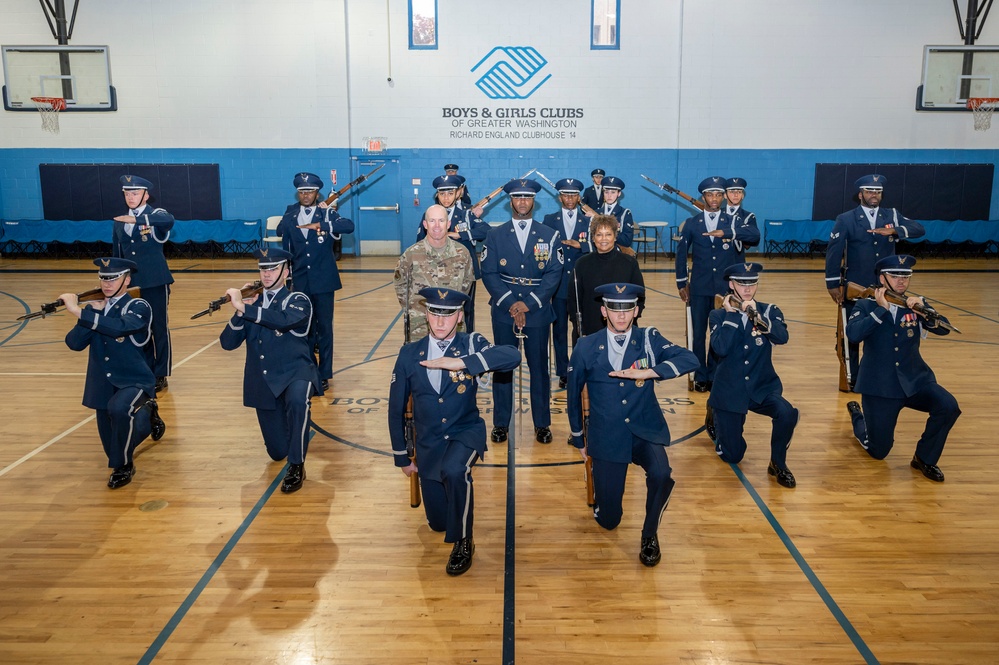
620, 289
263, 252
441, 294
105, 262
749, 267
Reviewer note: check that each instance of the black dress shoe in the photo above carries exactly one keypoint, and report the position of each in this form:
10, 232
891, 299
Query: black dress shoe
931, 471
161, 383
293, 479
499, 434
121, 476
650, 554
461, 557
562, 382
854, 409
325, 384
700, 387
709, 424
543, 434
157, 426
784, 476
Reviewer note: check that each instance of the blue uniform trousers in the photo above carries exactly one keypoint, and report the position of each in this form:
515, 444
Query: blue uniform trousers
449, 500
469, 308
730, 444
700, 309
560, 335
321, 331
286, 428
536, 352
123, 425
608, 486
158, 298
876, 427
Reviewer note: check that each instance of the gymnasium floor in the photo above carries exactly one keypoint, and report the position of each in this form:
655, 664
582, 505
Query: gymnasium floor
201, 560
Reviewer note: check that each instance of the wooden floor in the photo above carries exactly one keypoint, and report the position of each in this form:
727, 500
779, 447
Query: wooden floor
201, 560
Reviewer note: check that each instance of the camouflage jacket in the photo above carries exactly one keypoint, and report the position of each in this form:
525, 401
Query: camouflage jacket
421, 266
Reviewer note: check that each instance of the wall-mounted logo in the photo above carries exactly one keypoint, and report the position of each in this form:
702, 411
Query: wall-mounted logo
511, 72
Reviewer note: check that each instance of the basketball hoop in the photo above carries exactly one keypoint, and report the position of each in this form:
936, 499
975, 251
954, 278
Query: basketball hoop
982, 107
49, 108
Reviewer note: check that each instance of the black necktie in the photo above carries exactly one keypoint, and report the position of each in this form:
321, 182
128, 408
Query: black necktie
713, 216
268, 297
308, 211
443, 344
619, 339
523, 225
570, 214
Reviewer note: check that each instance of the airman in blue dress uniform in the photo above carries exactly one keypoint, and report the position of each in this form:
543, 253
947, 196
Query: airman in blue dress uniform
280, 376
120, 384
439, 372
735, 194
140, 237
521, 269
593, 196
464, 199
612, 188
715, 242
308, 229
893, 375
574, 228
465, 228
745, 379
619, 367
859, 239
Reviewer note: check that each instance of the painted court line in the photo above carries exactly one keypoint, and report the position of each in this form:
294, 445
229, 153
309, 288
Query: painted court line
83, 422
820, 589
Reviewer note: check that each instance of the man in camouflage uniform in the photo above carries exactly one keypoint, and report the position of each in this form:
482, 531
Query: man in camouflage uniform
437, 260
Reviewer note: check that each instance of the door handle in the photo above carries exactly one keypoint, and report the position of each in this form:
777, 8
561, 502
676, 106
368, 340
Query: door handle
386, 208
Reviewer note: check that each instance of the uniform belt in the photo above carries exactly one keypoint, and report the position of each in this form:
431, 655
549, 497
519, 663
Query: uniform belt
520, 281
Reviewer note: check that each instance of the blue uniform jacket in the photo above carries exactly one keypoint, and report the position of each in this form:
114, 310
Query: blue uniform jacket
711, 258
742, 218
313, 265
452, 414
145, 246
531, 276
592, 199
581, 234
851, 240
470, 229
891, 365
745, 372
116, 357
625, 222
617, 404
277, 348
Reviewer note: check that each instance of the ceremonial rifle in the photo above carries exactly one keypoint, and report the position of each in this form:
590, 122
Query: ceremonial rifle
246, 292
591, 499
672, 190
409, 424
759, 323
93, 295
356, 181
491, 195
856, 292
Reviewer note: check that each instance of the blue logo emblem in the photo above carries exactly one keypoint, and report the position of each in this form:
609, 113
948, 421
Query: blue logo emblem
511, 72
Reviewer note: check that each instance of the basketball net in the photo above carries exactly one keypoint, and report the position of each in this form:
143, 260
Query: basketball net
49, 108
982, 107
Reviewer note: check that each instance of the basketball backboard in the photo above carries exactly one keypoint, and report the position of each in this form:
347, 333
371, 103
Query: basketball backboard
80, 74
952, 74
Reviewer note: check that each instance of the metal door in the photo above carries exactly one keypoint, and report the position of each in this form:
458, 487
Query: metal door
375, 206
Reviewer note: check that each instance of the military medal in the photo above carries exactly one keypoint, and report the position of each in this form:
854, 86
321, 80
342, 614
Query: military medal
759, 340
911, 332
461, 388
639, 383
541, 265
122, 339
320, 240
724, 245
